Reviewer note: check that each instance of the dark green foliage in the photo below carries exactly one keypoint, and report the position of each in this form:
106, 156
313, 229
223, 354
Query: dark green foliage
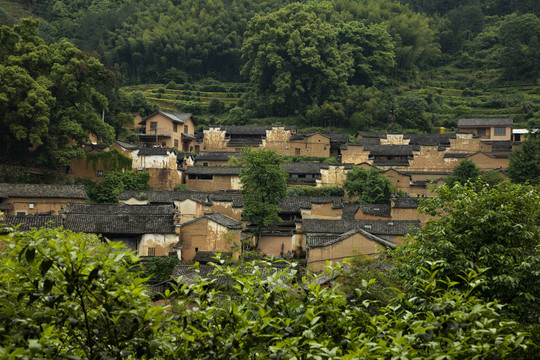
180, 187
112, 160
496, 229
368, 186
315, 191
520, 38
49, 97
293, 59
465, 171
64, 295
158, 269
69, 296
263, 184
115, 183
525, 163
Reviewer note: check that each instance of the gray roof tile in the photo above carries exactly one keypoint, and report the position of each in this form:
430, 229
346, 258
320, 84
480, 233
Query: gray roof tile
43, 191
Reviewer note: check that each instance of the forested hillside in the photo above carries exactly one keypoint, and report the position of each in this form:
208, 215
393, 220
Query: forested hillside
352, 64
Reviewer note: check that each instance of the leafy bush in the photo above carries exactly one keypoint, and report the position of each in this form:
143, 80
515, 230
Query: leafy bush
67, 295
315, 191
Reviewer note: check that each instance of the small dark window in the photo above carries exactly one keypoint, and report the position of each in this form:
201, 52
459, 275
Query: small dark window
21, 213
176, 143
297, 151
153, 125
186, 129
205, 164
500, 131
196, 249
175, 127
164, 144
152, 251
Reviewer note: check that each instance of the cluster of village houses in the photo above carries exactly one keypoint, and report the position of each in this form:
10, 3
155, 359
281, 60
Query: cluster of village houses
205, 219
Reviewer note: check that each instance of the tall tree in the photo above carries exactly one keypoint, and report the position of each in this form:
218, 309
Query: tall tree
368, 186
263, 187
525, 162
48, 96
464, 172
293, 59
496, 229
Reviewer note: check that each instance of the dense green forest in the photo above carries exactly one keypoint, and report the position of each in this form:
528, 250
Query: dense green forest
383, 65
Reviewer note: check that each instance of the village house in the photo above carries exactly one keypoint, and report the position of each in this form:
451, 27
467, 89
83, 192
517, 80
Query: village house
425, 157
162, 164
334, 249
147, 229
30, 199
216, 158
212, 178
499, 129
210, 232
29, 222
169, 130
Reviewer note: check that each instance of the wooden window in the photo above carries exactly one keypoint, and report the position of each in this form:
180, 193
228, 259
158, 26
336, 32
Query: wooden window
20, 213
152, 251
176, 143
186, 129
297, 151
500, 131
175, 127
153, 125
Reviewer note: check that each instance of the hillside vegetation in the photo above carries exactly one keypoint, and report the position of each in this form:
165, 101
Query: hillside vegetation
343, 65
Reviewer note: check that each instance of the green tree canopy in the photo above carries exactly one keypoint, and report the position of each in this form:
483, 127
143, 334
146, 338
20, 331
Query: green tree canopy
463, 172
525, 162
48, 96
492, 228
368, 186
116, 182
264, 185
294, 59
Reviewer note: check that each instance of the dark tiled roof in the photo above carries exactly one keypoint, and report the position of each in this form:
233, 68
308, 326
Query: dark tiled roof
127, 145
374, 135
321, 241
303, 136
27, 222
429, 139
500, 145
204, 257
190, 275
118, 219
395, 150
218, 218
176, 117
155, 151
215, 156
254, 142
407, 202
225, 221
456, 155
294, 204
43, 191
236, 199
486, 122
336, 139
377, 227
213, 170
376, 209
250, 129
4, 206
165, 196
304, 167
384, 162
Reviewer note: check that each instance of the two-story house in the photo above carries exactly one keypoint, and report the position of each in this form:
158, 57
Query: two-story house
169, 130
